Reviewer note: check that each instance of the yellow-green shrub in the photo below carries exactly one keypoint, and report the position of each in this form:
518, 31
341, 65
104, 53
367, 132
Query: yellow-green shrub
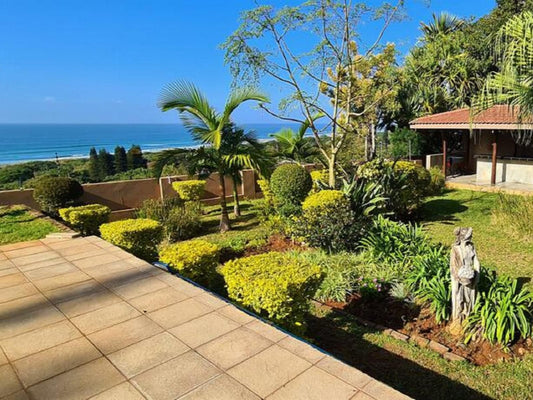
319, 175
191, 190
138, 236
87, 219
195, 259
277, 285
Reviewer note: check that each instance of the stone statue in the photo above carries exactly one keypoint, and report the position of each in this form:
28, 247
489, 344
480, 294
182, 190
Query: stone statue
464, 270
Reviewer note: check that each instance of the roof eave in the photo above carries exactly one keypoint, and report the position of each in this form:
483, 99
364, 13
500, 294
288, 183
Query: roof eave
462, 126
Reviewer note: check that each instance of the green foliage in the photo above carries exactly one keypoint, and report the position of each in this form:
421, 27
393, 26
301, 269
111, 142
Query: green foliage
180, 221
134, 157
105, 164
13, 176
370, 287
53, 193
86, 219
139, 173
437, 293
190, 190
278, 285
195, 259
290, 184
437, 181
405, 142
340, 273
94, 167
502, 314
327, 221
138, 236
268, 197
513, 214
121, 161
319, 177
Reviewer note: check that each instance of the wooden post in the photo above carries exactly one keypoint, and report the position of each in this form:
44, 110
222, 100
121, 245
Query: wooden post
444, 156
493, 173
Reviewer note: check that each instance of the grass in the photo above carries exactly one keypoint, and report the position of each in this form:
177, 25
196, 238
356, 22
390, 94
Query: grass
417, 372
495, 249
17, 224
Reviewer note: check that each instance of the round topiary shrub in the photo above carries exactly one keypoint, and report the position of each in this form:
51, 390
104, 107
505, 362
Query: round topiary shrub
191, 190
195, 259
138, 236
86, 219
290, 184
55, 192
327, 221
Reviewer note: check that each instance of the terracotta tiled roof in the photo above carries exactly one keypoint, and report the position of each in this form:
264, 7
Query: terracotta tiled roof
496, 117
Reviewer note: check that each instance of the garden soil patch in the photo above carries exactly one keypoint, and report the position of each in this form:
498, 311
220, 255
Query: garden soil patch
412, 320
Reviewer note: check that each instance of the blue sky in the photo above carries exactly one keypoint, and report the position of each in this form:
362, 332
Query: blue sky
73, 61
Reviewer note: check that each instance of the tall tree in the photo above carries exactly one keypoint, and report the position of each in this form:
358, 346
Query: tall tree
442, 24
210, 128
135, 158
121, 162
263, 48
105, 163
94, 169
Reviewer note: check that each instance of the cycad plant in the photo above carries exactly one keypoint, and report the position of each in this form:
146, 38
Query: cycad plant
442, 24
220, 152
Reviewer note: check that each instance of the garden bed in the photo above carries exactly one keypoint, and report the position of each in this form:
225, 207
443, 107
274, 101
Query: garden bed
419, 322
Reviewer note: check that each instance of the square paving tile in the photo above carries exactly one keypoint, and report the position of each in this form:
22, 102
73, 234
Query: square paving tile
301, 349
156, 300
179, 313
28, 321
39, 339
210, 300
345, 372
147, 353
94, 261
266, 330
41, 264
204, 329
139, 287
74, 291
221, 388
35, 258
45, 364
26, 251
175, 377
124, 391
87, 253
16, 292
61, 280
88, 303
113, 267
77, 249
235, 314
6, 264
79, 383
12, 280
20, 395
9, 271
8, 381
269, 370
233, 347
121, 335
48, 272
23, 305
379, 390
104, 317
314, 384
362, 396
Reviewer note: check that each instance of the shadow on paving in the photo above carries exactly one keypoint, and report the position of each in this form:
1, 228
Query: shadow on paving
400, 373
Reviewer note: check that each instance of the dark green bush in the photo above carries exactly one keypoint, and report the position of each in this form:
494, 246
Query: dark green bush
437, 181
327, 221
53, 193
290, 184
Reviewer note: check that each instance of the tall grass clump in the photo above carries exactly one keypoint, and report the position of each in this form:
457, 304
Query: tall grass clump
514, 215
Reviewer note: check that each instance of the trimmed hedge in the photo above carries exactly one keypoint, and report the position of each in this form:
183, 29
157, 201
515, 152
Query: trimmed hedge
195, 259
290, 184
277, 285
55, 192
191, 190
86, 219
138, 236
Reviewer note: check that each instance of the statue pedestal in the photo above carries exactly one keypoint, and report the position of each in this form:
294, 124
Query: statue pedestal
455, 328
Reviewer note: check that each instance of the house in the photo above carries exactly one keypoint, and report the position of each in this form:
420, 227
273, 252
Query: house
492, 144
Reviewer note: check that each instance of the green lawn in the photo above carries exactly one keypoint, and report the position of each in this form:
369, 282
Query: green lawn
17, 224
440, 215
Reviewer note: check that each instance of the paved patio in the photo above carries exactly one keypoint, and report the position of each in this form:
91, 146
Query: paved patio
82, 319
469, 182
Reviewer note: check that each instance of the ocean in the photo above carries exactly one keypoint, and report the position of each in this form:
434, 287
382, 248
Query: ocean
30, 142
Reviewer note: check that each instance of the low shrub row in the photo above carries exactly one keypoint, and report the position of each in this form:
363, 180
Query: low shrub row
86, 219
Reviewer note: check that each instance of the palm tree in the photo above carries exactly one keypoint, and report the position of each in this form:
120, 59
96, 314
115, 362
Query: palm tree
442, 24
210, 128
294, 145
512, 85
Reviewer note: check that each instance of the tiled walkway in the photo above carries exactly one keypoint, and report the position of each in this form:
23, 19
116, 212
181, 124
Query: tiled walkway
80, 318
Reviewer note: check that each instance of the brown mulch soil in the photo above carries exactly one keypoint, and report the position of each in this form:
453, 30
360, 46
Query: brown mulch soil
413, 320
275, 243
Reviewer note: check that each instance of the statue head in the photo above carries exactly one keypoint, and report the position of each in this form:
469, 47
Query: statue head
463, 235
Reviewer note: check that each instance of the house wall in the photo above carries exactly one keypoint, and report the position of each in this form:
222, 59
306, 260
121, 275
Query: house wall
513, 171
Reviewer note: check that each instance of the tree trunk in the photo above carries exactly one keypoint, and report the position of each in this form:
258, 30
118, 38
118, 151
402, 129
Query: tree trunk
372, 141
331, 169
224, 217
236, 205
